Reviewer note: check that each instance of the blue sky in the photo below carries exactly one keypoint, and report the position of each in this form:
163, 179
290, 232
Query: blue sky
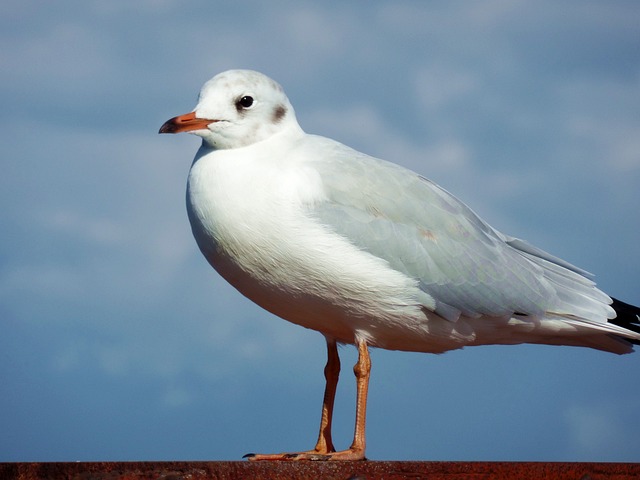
119, 342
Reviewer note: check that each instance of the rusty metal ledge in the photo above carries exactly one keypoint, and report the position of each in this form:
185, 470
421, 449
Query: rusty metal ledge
367, 470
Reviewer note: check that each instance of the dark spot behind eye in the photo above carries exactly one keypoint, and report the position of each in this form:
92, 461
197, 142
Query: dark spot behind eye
278, 113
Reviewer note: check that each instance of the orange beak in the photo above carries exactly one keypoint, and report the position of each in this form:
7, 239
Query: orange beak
185, 123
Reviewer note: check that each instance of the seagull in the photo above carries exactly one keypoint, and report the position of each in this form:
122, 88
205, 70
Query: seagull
367, 252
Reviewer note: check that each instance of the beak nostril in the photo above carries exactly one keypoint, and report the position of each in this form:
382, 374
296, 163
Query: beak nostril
185, 123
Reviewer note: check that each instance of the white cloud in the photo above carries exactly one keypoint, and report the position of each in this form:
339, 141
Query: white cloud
438, 85
613, 139
307, 28
43, 281
594, 430
367, 130
79, 226
177, 397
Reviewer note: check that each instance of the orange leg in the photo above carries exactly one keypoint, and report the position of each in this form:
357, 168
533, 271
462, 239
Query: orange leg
331, 374
324, 447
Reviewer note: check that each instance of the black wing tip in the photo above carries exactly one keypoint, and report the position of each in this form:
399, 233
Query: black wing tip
628, 316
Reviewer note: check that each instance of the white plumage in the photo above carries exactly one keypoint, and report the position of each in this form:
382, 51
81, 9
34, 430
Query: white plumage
365, 251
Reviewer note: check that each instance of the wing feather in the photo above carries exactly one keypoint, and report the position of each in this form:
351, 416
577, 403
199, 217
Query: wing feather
455, 257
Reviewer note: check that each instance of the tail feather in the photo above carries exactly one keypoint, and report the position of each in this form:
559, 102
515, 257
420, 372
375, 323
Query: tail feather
627, 316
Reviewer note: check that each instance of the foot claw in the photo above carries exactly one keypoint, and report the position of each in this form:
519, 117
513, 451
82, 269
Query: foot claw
307, 456
317, 457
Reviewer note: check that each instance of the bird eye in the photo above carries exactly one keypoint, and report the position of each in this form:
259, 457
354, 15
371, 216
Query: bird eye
245, 102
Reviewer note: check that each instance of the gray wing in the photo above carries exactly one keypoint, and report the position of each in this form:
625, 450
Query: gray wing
456, 258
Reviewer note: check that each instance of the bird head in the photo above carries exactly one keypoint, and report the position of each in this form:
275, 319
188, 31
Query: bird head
236, 108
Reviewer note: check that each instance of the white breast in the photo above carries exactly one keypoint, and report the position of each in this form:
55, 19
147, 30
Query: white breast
246, 208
